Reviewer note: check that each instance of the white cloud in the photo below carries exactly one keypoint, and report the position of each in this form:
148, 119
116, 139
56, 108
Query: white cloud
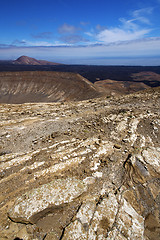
128, 24
147, 47
141, 15
142, 11
118, 34
38, 43
26, 43
66, 28
129, 29
90, 34
128, 39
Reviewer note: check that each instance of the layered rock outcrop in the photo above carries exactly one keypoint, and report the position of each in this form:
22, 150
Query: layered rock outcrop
81, 170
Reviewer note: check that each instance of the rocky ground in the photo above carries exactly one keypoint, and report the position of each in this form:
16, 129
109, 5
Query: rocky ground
81, 170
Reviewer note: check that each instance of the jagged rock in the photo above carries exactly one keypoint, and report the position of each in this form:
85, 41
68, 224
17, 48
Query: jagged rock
104, 217
129, 222
152, 157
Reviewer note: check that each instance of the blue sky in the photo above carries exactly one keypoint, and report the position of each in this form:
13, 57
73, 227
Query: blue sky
82, 32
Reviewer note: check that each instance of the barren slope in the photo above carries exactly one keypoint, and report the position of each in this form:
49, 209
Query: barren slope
24, 60
21, 87
81, 170
112, 87
147, 77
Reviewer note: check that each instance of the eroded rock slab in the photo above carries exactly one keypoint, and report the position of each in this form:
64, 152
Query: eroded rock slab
104, 217
129, 222
34, 204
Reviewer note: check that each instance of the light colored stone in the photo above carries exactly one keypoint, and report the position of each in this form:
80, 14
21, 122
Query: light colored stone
115, 235
129, 222
104, 218
152, 157
75, 231
86, 211
55, 193
97, 174
89, 180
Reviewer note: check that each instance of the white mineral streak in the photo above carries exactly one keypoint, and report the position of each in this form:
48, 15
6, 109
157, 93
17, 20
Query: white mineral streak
122, 125
54, 193
33, 166
70, 157
115, 235
133, 127
129, 222
60, 166
96, 165
105, 212
142, 141
15, 161
9, 156
14, 124
97, 174
105, 149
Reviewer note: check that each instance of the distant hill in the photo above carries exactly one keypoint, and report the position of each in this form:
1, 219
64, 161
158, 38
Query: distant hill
24, 60
112, 87
45, 86
61, 82
149, 75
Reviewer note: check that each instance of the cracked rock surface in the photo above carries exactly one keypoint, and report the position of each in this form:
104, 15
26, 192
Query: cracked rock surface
81, 170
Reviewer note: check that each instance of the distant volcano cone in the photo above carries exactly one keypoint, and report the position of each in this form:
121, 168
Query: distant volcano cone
24, 60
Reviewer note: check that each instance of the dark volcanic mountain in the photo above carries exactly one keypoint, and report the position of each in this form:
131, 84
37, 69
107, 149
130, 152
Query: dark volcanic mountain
24, 60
